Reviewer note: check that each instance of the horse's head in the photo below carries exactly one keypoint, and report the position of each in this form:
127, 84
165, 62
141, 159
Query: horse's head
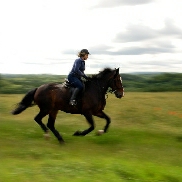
115, 84
111, 79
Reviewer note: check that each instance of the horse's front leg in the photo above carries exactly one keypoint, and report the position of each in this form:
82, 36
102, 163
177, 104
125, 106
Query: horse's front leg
101, 114
90, 120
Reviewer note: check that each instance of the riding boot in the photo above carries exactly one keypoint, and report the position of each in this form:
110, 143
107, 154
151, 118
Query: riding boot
73, 97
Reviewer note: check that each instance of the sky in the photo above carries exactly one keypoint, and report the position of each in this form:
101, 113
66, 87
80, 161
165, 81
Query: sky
44, 36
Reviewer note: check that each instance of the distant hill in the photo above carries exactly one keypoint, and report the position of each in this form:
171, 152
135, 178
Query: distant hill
143, 82
153, 82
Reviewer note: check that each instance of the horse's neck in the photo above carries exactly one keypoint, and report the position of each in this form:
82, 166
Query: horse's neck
101, 86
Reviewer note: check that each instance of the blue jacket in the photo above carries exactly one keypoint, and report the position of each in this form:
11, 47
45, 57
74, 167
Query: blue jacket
78, 68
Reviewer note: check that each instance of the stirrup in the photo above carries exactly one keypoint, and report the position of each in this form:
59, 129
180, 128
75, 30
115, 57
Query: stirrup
73, 102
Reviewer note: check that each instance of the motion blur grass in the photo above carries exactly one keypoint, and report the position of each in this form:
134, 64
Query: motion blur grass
143, 144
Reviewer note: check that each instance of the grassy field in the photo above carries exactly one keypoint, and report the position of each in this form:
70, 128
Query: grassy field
143, 144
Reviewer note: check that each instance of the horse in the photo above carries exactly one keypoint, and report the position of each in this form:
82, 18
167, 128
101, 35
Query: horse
52, 97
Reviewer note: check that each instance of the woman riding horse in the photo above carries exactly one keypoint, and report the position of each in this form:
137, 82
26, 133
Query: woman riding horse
52, 97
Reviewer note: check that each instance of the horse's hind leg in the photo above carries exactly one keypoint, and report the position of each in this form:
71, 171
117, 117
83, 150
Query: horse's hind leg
90, 120
38, 119
50, 125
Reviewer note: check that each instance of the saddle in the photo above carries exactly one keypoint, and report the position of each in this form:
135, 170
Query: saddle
66, 83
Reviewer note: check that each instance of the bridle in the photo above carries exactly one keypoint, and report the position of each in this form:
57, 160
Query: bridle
113, 90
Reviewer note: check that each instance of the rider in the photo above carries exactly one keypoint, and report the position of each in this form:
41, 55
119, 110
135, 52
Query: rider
76, 73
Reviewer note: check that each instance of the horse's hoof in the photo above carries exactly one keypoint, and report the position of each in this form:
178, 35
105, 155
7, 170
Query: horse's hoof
100, 132
61, 142
77, 133
46, 136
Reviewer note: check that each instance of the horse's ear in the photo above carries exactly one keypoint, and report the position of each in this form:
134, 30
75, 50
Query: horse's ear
117, 71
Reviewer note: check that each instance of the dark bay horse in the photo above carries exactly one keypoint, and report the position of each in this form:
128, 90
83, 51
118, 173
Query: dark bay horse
53, 97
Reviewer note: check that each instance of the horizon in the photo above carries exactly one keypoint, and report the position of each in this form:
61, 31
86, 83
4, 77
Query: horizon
129, 73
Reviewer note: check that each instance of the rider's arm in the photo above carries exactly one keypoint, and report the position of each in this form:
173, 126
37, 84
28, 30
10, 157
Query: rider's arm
77, 66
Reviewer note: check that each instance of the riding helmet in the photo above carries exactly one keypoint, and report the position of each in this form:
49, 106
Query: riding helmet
84, 51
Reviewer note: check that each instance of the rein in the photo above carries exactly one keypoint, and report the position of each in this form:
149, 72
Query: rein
109, 90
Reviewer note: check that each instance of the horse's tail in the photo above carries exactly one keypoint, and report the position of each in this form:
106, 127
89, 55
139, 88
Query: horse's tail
25, 102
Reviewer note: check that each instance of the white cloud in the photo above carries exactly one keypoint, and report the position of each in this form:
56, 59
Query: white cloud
116, 3
44, 36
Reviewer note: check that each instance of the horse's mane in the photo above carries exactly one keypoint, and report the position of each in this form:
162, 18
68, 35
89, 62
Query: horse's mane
102, 73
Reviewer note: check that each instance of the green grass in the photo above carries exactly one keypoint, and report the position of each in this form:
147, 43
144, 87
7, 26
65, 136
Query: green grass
143, 144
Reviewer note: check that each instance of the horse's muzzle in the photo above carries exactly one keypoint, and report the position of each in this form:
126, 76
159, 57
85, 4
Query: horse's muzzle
119, 94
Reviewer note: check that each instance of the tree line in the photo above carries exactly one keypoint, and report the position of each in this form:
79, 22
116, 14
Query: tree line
20, 84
